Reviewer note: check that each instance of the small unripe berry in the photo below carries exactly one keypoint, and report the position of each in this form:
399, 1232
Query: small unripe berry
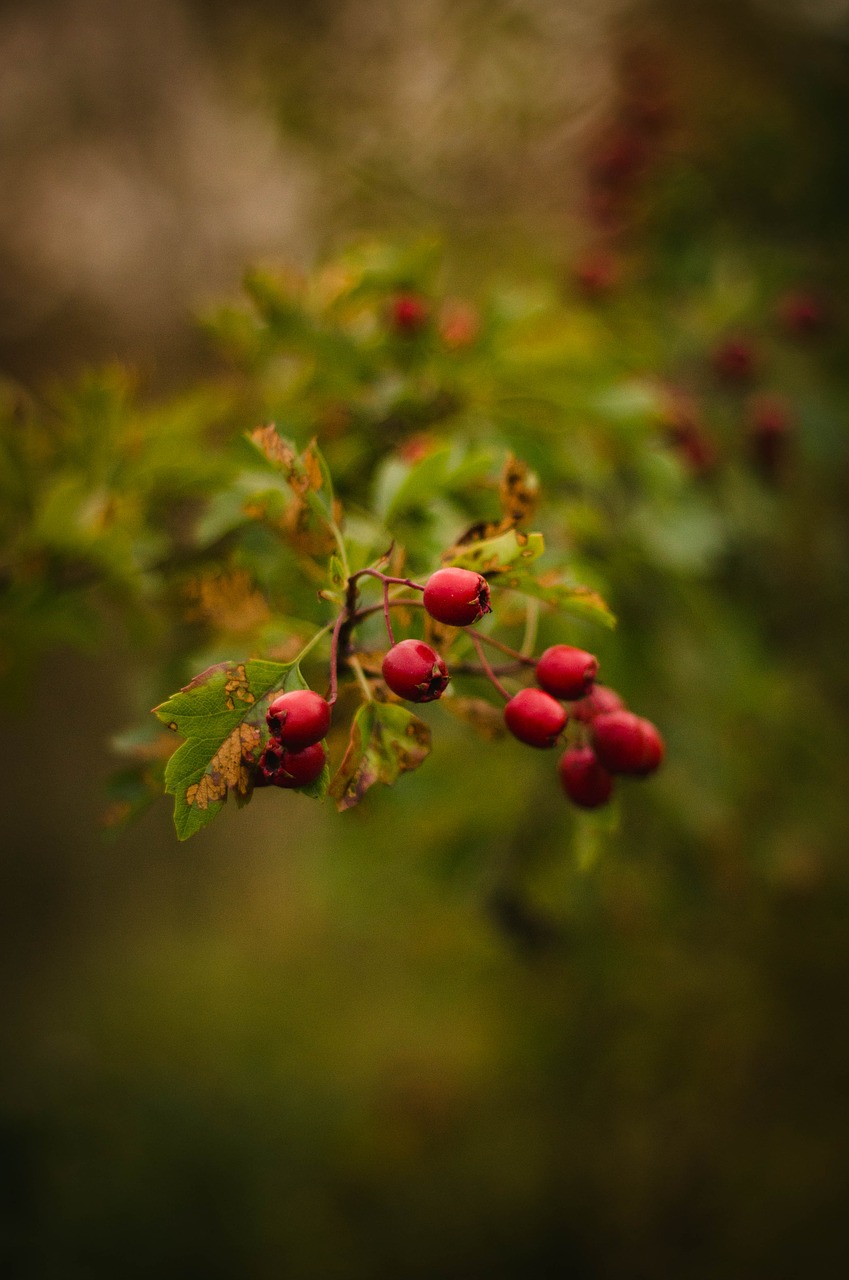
566, 672
282, 768
584, 778
625, 743
298, 718
535, 717
598, 701
409, 313
415, 671
457, 597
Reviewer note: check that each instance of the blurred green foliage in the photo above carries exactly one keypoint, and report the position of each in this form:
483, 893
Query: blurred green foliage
461, 1031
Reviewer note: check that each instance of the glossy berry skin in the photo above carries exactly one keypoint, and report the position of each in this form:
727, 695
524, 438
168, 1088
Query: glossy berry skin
282, 768
298, 718
534, 717
598, 701
409, 314
625, 743
415, 671
566, 672
584, 778
654, 748
457, 597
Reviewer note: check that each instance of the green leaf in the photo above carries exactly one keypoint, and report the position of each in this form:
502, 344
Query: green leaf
221, 714
499, 554
386, 741
580, 602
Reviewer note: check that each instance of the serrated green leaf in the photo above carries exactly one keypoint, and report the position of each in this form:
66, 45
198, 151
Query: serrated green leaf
499, 554
221, 714
386, 741
580, 602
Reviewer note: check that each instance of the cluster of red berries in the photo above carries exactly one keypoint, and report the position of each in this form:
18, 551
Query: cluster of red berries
294, 755
620, 742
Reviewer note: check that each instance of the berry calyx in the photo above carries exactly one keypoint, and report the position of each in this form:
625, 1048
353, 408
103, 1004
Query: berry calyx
625, 743
566, 672
584, 778
409, 313
415, 671
281, 768
298, 719
457, 597
534, 717
598, 701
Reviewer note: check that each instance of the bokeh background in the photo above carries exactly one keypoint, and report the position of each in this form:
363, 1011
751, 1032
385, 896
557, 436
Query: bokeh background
435, 1037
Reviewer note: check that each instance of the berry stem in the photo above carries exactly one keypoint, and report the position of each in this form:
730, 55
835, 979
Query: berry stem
488, 671
386, 617
524, 658
531, 622
354, 664
334, 657
386, 579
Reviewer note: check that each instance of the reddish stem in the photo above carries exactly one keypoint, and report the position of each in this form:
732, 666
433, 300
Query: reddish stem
484, 661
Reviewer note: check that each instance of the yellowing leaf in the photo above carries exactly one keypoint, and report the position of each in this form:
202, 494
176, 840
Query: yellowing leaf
386, 741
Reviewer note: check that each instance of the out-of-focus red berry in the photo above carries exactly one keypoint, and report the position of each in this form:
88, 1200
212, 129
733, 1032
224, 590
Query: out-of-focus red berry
735, 360
409, 313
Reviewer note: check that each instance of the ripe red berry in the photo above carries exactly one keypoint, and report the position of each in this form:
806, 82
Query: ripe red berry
457, 597
770, 424
409, 313
298, 719
415, 671
535, 717
625, 743
654, 747
585, 780
566, 672
802, 314
598, 701
596, 273
734, 360
282, 768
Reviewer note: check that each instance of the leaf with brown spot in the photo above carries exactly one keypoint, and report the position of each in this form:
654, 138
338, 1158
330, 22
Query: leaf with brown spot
386, 741
221, 714
518, 491
498, 554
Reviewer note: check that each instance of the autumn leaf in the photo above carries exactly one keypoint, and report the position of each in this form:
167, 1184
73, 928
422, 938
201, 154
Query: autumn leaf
221, 714
386, 741
498, 554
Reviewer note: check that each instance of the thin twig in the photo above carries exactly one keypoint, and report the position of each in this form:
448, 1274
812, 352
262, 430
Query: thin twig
484, 661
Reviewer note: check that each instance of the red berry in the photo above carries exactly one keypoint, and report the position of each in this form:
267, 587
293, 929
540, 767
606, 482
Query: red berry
653, 747
457, 597
596, 273
803, 314
282, 768
734, 360
585, 780
298, 719
566, 672
598, 701
535, 717
625, 743
770, 425
409, 313
415, 671
459, 325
